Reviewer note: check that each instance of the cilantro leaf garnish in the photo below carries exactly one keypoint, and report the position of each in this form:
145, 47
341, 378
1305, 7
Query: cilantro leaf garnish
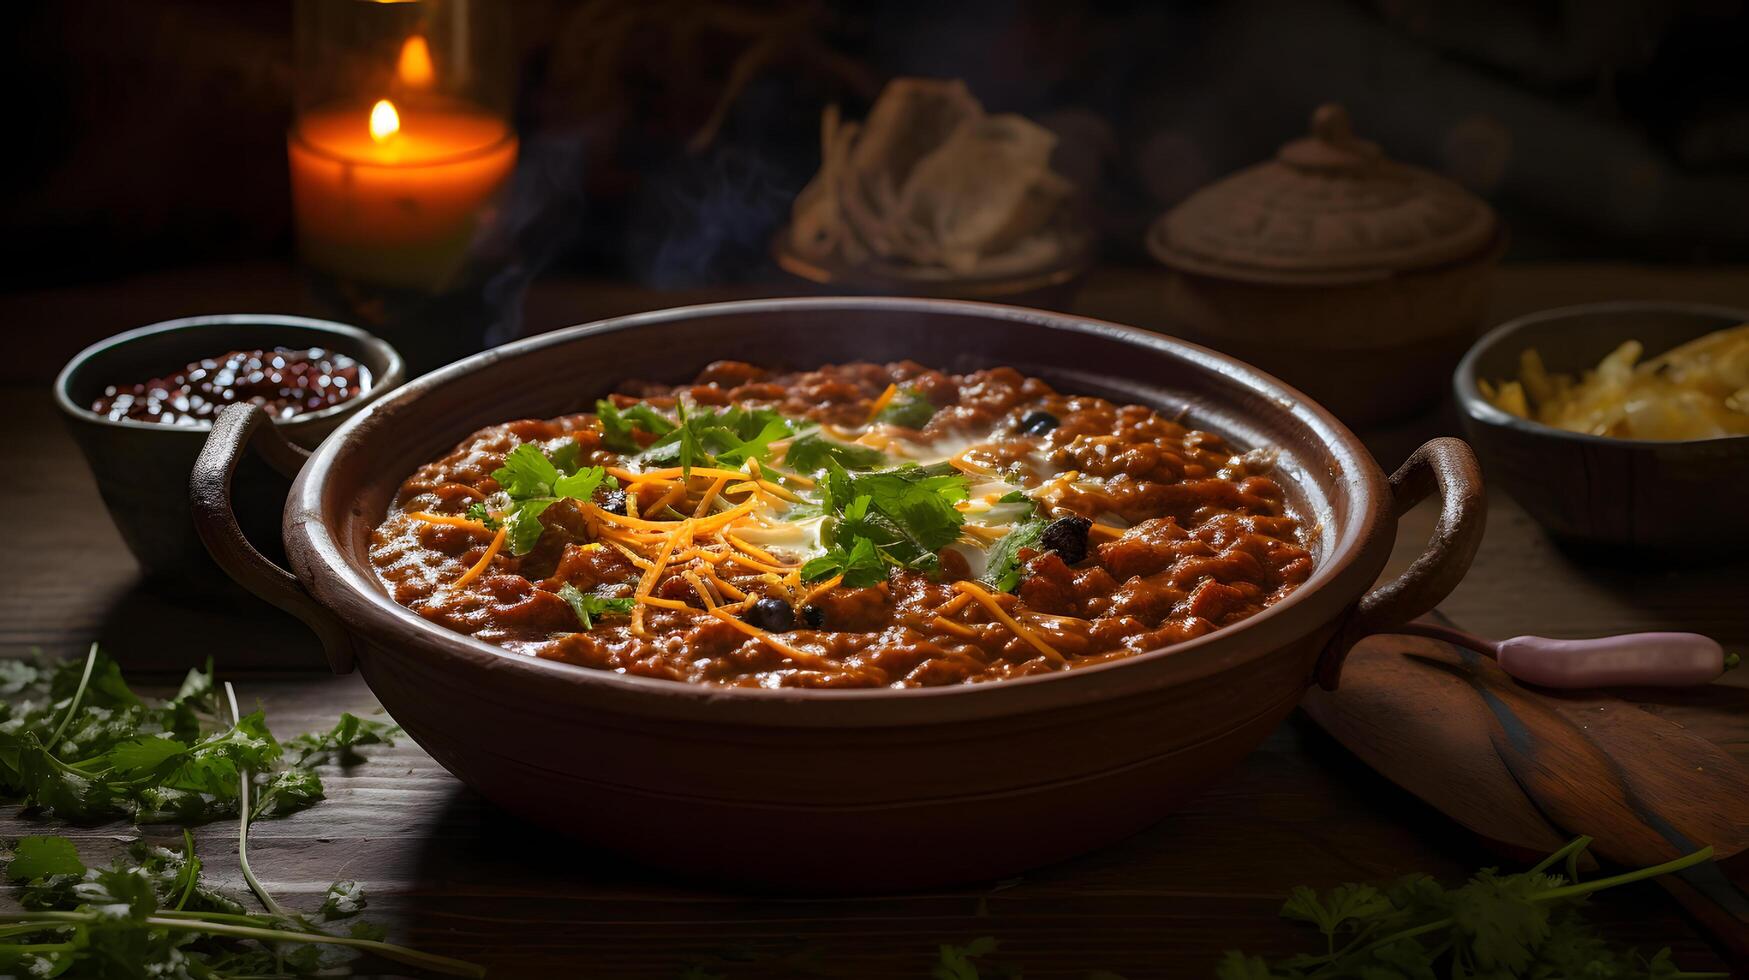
909, 408
527, 472
477, 512
709, 437
904, 515
1002, 563
587, 605
809, 453
1014, 497
618, 425
860, 564
535, 481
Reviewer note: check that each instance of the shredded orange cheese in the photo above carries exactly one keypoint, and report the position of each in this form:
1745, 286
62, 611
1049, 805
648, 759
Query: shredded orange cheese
817, 590
674, 494
710, 496
449, 520
955, 604
754, 564
698, 586
957, 628
881, 402
989, 602
799, 656
648, 581
707, 524
631, 556
484, 562
759, 553
674, 471
722, 586
805, 482
960, 462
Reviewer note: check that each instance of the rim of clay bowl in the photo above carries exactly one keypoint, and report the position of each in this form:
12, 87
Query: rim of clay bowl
358, 600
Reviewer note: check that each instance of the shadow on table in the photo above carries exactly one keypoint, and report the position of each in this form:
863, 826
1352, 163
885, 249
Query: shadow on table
157, 628
1166, 902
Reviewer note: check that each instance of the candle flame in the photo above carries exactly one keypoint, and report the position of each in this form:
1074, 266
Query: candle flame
414, 67
384, 120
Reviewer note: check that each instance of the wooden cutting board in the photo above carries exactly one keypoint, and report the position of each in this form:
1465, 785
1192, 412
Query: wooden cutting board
1650, 774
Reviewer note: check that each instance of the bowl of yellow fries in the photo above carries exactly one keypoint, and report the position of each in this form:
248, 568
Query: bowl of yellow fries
1623, 425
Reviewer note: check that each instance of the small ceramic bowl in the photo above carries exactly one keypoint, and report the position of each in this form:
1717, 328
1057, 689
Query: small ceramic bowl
1678, 499
142, 468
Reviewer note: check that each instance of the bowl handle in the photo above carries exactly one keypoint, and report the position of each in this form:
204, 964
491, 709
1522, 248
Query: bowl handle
238, 428
1448, 466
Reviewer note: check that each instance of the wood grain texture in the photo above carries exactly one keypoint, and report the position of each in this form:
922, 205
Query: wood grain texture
448, 872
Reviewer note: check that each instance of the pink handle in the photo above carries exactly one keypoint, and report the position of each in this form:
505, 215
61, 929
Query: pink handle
1629, 660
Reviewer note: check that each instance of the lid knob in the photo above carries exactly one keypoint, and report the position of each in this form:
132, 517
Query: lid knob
1332, 148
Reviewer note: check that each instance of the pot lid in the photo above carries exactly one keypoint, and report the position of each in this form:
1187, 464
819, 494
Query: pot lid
1329, 208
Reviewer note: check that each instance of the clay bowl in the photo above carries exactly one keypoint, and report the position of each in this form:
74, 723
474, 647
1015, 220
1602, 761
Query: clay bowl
1613, 497
142, 468
845, 790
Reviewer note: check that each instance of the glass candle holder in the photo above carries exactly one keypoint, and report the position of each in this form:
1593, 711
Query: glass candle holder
401, 147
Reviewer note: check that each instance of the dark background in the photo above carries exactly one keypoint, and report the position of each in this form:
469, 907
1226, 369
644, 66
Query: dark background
151, 135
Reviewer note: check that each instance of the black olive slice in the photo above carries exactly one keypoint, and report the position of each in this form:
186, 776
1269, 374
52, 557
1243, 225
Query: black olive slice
614, 502
1067, 536
771, 615
1038, 422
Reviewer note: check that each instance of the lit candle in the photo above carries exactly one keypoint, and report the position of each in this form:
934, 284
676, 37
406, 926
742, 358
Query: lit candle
393, 194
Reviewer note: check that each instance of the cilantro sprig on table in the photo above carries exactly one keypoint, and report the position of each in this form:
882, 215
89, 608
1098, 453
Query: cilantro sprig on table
1529, 924
80, 745
534, 481
1495, 926
884, 519
150, 914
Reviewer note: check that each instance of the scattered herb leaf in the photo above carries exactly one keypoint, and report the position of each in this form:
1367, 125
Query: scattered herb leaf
619, 425
860, 564
535, 481
1528, 924
906, 515
148, 914
587, 606
909, 408
1002, 564
810, 452
117, 755
708, 437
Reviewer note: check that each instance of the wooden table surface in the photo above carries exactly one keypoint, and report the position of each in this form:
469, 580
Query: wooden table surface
447, 872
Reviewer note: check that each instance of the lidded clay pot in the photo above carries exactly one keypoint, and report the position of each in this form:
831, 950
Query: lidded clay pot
1356, 278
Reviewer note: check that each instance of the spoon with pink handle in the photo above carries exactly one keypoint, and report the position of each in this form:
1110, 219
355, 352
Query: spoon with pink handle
1628, 660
